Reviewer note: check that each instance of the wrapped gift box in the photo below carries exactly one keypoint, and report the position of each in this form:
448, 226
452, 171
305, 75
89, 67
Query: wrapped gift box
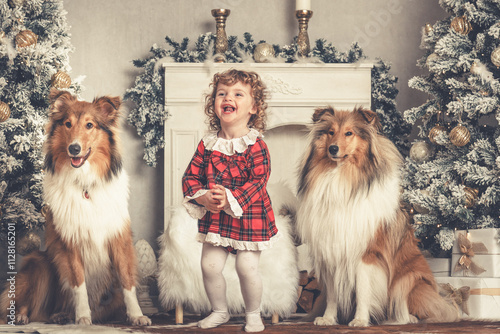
476, 254
439, 266
479, 297
490, 237
490, 263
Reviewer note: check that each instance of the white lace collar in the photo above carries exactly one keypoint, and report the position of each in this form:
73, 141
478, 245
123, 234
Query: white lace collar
230, 146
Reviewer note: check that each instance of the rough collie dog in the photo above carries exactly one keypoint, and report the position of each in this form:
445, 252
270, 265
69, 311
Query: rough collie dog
88, 271
364, 251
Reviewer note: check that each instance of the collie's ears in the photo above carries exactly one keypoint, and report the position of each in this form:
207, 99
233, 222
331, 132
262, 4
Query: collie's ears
58, 98
318, 112
370, 117
109, 106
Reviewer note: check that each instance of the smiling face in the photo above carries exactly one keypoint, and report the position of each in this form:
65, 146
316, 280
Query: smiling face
234, 105
80, 133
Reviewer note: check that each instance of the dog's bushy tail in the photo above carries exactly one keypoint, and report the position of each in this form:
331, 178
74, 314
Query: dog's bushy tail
427, 304
34, 290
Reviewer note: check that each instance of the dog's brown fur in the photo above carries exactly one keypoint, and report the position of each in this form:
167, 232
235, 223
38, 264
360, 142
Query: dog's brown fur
363, 247
90, 252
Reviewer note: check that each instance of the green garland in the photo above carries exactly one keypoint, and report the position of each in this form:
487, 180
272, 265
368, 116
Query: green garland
149, 115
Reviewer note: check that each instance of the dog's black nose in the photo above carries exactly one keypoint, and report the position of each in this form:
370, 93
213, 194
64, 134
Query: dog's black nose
74, 149
333, 149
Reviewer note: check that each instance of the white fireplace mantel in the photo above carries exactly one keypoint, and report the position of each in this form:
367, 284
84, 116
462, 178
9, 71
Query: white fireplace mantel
295, 91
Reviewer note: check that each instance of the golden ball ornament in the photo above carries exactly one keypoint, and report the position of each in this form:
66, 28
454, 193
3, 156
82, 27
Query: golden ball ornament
4, 111
461, 25
420, 151
28, 243
495, 57
428, 29
26, 38
263, 53
470, 196
421, 209
460, 135
61, 80
435, 131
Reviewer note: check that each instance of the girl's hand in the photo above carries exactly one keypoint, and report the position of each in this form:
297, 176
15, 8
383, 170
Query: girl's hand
209, 202
219, 193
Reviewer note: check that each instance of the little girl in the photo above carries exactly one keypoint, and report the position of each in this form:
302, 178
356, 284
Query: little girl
225, 189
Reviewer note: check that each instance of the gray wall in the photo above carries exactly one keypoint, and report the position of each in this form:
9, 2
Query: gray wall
108, 35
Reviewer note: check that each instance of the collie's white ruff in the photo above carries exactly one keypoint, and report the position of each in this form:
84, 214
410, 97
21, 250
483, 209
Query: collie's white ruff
344, 223
89, 223
180, 279
97, 219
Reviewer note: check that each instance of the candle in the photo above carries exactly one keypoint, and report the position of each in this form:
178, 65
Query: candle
302, 4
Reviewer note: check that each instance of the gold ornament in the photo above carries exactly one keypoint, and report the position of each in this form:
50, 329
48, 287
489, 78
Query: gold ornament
28, 243
470, 196
419, 208
420, 151
428, 29
459, 136
26, 38
4, 111
461, 25
61, 80
495, 57
263, 53
435, 131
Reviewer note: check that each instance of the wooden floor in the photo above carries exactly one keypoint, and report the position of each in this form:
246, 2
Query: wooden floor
165, 323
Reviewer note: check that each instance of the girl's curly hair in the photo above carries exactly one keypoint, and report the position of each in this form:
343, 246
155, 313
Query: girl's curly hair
259, 94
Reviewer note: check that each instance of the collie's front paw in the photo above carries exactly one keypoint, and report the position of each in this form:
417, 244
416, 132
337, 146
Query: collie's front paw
22, 319
83, 321
140, 321
359, 323
325, 321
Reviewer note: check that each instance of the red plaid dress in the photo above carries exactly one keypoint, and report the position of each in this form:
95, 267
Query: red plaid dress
243, 169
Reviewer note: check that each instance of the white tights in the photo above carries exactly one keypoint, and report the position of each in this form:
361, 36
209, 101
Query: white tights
213, 260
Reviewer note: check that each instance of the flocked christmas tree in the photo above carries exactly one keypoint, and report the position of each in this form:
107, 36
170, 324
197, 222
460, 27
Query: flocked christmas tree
34, 48
452, 175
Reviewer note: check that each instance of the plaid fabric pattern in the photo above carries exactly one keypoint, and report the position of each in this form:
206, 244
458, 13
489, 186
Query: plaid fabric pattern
245, 175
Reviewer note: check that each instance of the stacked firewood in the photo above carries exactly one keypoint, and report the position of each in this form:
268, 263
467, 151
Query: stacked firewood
309, 291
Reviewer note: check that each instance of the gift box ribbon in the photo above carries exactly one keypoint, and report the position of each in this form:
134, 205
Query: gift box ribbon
468, 249
461, 296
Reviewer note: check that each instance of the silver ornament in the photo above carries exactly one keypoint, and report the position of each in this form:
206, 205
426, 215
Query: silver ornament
420, 151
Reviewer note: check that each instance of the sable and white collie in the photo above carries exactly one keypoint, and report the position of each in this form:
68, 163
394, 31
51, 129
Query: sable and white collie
363, 248
88, 272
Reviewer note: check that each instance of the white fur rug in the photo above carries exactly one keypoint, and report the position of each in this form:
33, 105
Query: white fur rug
180, 279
